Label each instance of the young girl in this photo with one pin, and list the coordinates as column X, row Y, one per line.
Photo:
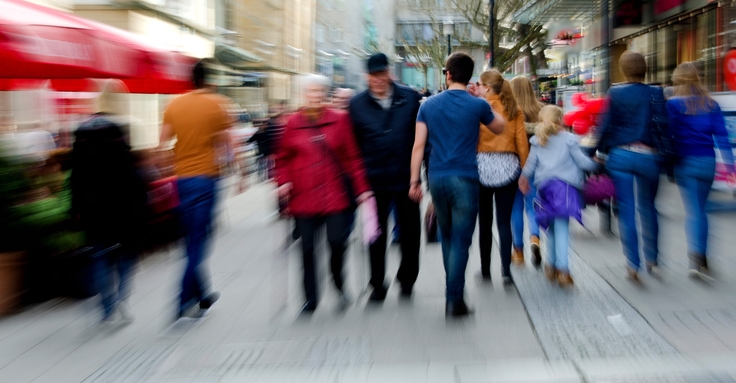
column 556, row 164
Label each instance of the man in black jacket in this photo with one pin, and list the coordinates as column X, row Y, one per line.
column 384, row 118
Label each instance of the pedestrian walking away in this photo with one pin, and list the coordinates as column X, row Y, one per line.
column 521, row 86
column 319, row 171
column 109, row 198
column 384, row 119
column 556, row 164
column 697, row 124
column 625, row 133
column 450, row 121
column 199, row 120
column 500, row 160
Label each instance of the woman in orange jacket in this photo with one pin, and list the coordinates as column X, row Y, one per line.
column 500, row 160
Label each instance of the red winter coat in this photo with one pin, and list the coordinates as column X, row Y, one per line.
column 307, row 157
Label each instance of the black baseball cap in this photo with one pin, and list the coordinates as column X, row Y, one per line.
column 377, row 63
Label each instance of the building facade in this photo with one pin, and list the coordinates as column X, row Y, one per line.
column 422, row 28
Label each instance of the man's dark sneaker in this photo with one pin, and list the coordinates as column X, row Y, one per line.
column 209, row 300
column 308, row 308
column 457, row 309
column 406, row 292
column 507, row 280
column 378, row 295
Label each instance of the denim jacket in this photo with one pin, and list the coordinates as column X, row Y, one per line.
column 626, row 119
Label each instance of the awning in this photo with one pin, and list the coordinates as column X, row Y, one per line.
column 42, row 43
column 234, row 56
column 542, row 11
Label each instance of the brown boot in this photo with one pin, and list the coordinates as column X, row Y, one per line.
column 536, row 251
column 517, row 256
column 550, row 272
column 564, row 279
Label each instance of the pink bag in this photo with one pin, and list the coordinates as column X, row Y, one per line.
column 598, row 188
column 371, row 228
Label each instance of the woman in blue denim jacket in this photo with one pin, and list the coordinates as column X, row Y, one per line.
column 625, row 134
column 696, row 122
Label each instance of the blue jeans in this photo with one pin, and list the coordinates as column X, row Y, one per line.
column 456, row 204
column 109, row 261
column 627, row 169
column 524, row 203
column 558, row 235
column 694, row 176
column 197, row 196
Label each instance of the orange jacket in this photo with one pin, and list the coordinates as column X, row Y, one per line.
column 513, row 139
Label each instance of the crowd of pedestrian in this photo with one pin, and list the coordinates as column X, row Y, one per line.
column 491, row 151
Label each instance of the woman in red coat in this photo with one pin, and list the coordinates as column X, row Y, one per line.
column 319, row 170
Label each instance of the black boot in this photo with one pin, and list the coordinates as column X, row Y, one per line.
column 457, row 309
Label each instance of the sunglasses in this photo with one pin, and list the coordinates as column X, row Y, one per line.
column 444, row 71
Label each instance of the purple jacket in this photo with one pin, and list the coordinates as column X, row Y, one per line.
column 556, row 199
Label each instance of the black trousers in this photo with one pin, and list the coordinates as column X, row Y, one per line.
column 409, row 221
column 338, row 231
column 504, row 196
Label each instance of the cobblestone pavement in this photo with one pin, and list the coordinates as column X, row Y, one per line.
column 669, row 329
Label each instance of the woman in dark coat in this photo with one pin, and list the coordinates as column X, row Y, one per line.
column 109, row 199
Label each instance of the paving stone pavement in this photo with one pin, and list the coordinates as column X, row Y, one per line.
column 670, row 330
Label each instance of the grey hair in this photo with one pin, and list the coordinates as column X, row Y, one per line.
column 316, row 79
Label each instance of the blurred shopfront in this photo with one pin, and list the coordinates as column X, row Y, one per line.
column 668, row 33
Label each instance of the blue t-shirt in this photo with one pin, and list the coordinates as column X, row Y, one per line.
column 453, row 120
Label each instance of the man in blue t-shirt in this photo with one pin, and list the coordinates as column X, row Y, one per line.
column 451, row 120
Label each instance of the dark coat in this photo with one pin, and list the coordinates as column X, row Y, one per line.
column 108, row 194
column 308, row 156
column 386, row 137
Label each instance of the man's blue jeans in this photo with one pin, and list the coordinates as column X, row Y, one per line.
column 629, row 169
column 456, row 204
column 197, row 201
column 694, row 176
column 524, row 203
column 558, row 239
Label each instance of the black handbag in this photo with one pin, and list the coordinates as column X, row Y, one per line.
column 662, row 136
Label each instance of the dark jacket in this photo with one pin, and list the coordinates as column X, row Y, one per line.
column 627, row 116
column 108, row 193
column 315, row 158
column 386, row 137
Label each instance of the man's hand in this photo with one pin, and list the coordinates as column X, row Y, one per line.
column 473, row 90
column 364, row 197
column 415, row 192
column 524, row 184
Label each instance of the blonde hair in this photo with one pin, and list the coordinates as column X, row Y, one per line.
column 502, row 88
column 550, row 120
column 633, row 66
column 687, row 84
column 112, row 98
column 522, row 89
